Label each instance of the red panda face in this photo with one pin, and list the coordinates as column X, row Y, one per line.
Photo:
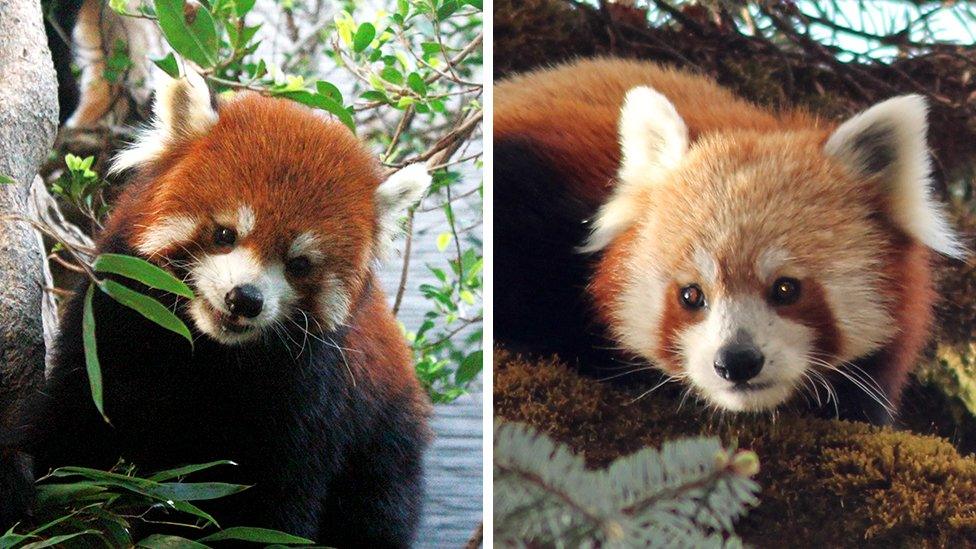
column 752, row 264
column 270, row 213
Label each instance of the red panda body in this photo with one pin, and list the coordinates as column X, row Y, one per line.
column 725, row 244
column 299, row 373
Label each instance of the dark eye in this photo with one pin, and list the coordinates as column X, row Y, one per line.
column 785, row 291
column 224, row 236
column 692, row 297
column 298, row 266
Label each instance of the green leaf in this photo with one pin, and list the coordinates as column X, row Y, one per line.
column 91, row 352
column 364, row 36
column 242, row 7
column 256, row 535
column 443, row 240
column 142, row 271
column 7, row 180
column 168, row 64
column 159, row 541
column 373, row 95
column 392, row 75
column 51, row 495
column 247, row 34
column 192, row 33
column 417, row 84
column 430, row 48
column 329, row 90
column 147, row 307
column 469, row 368
column 191, row 509
column 186, row 470
column 322, row 102
column 446, row 9
column 56, row 540
column 195, row 491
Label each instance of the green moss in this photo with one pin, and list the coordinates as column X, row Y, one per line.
column 954, row 372
column 827, row 483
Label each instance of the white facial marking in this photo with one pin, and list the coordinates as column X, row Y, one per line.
column 769, row 261
column 165, row 233
column 246, row 220
column 217, row 274
column 334, row 303
column 859, row 309
column 306, row 244
column 783, row 342
column 706, row 265
column 241, row 220
column 641, row 303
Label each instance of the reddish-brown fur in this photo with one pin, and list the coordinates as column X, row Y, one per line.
column 570, row 117
column 675, row 319
column 326, row 185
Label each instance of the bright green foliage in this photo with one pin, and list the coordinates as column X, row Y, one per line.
column 687, row 494
column 143, row 271
column 408, row 80
column 106, row 505
column 81, row 187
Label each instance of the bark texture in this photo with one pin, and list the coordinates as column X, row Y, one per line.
column 28, row 123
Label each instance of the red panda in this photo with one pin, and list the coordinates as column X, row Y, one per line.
column 85, row 33
column 752, row 255
column 299, row 373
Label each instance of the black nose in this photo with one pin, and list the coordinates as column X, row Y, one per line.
column 245, row 300
column 739, row 362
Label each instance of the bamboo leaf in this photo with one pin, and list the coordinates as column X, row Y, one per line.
column 142, row 271
column 147, row 307
column 195, row 491
column 159, row 541
column 57, row 540
column 92, row 365
column 256, row 535
column 183, row 471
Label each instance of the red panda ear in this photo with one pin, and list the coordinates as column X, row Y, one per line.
column 182, row 110
column 653, row 140
column 887, row 143
column 400, row 191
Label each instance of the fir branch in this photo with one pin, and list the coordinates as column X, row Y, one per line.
column 688, row 493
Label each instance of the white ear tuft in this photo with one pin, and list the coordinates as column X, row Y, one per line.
column 653, row 140
column 182, row 110
column 887, row 141
column 653, row 137
column 400, row 191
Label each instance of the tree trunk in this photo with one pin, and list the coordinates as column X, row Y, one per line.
column 28, row 122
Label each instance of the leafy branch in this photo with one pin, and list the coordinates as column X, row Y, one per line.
column 407, row 80
column 689, row 493
column 105, row 505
